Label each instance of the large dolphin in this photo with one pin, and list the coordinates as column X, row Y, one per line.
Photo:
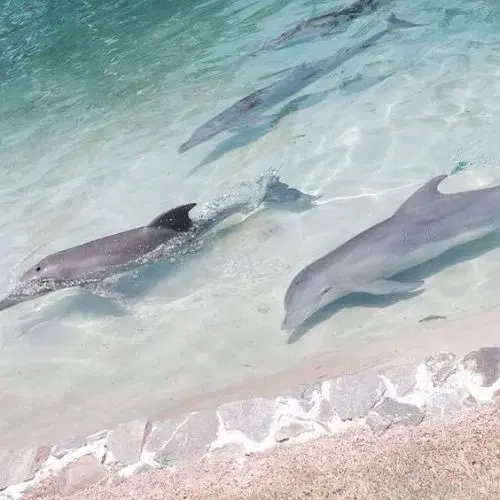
column 248, row 109
column 428, row 224
column 320, row 25
column 170, row 232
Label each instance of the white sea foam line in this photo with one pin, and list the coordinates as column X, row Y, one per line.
column 364, row 195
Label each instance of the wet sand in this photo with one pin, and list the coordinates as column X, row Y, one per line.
column 459, row 335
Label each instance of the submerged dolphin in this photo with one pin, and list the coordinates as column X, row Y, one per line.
column 428, row 224
column 297, row 78
column 320, row 25
column 95, row 260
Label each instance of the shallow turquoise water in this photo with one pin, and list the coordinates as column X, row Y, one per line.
column 96, row 98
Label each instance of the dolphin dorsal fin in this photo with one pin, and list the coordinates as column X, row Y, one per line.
column 176, row 219
column 428, row 192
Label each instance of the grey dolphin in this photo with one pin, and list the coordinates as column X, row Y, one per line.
column 320, row 25
column 247, row 110
column 170, row 232
column 425, row 226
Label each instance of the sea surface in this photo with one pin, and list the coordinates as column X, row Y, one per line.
column 95, row 99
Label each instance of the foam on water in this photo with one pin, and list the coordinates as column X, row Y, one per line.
column 95, row 99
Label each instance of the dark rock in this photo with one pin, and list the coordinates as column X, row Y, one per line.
column 440, row 367
column 142, row 468
column 304, row 394
column 230, row 450
column 324, row 413
column 126, row 441
column 84, row 472
column 17, row 466
column 97, row 436
column 253, row 417
column 163, row 431
column 445, row 402
column 402, row 377
column 391, row 412
column 68, row 445
column 191, row 440
column 291, row 430
column 485, row 362
column 354, row 396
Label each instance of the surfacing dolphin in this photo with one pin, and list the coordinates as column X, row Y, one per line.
column 248, row 109
column 165, row 236
column 320, row 25
column 428, row 224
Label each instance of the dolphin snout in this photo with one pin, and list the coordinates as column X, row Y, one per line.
column 185, row 146
column 284, row 325
column 291, row 321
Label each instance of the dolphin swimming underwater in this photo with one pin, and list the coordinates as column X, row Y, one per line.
column 320, row 25
column 170, row 232
column 297, row 78
column 425, row 226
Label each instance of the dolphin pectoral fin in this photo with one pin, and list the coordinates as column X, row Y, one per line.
column 388, row 287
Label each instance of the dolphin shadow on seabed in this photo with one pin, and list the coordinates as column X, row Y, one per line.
column 245, row 136
column 457, row 255
column 86, row 303
column 252, row 106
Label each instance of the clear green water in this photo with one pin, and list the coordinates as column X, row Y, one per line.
column 96, row 98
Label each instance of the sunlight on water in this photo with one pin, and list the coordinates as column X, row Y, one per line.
column 96, row 99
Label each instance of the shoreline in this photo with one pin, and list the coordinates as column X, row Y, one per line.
column 351, row 354
column 373, row 352
column 327, row 396
column 454, row 460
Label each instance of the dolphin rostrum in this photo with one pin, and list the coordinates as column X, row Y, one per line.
column 91, row 262
column 425, row 226
column 247, row 110
column 320, row 25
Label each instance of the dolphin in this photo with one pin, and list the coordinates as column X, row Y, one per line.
column 247, row 110
column 320, row 25
column 425, row 226
column 170, row 232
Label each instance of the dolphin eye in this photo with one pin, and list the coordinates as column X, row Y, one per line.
column 38, row 269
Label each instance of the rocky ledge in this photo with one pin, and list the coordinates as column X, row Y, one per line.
column 398, row 396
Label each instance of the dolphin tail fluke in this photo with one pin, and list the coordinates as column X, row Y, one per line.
column 277, row 192
column 398, row 24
